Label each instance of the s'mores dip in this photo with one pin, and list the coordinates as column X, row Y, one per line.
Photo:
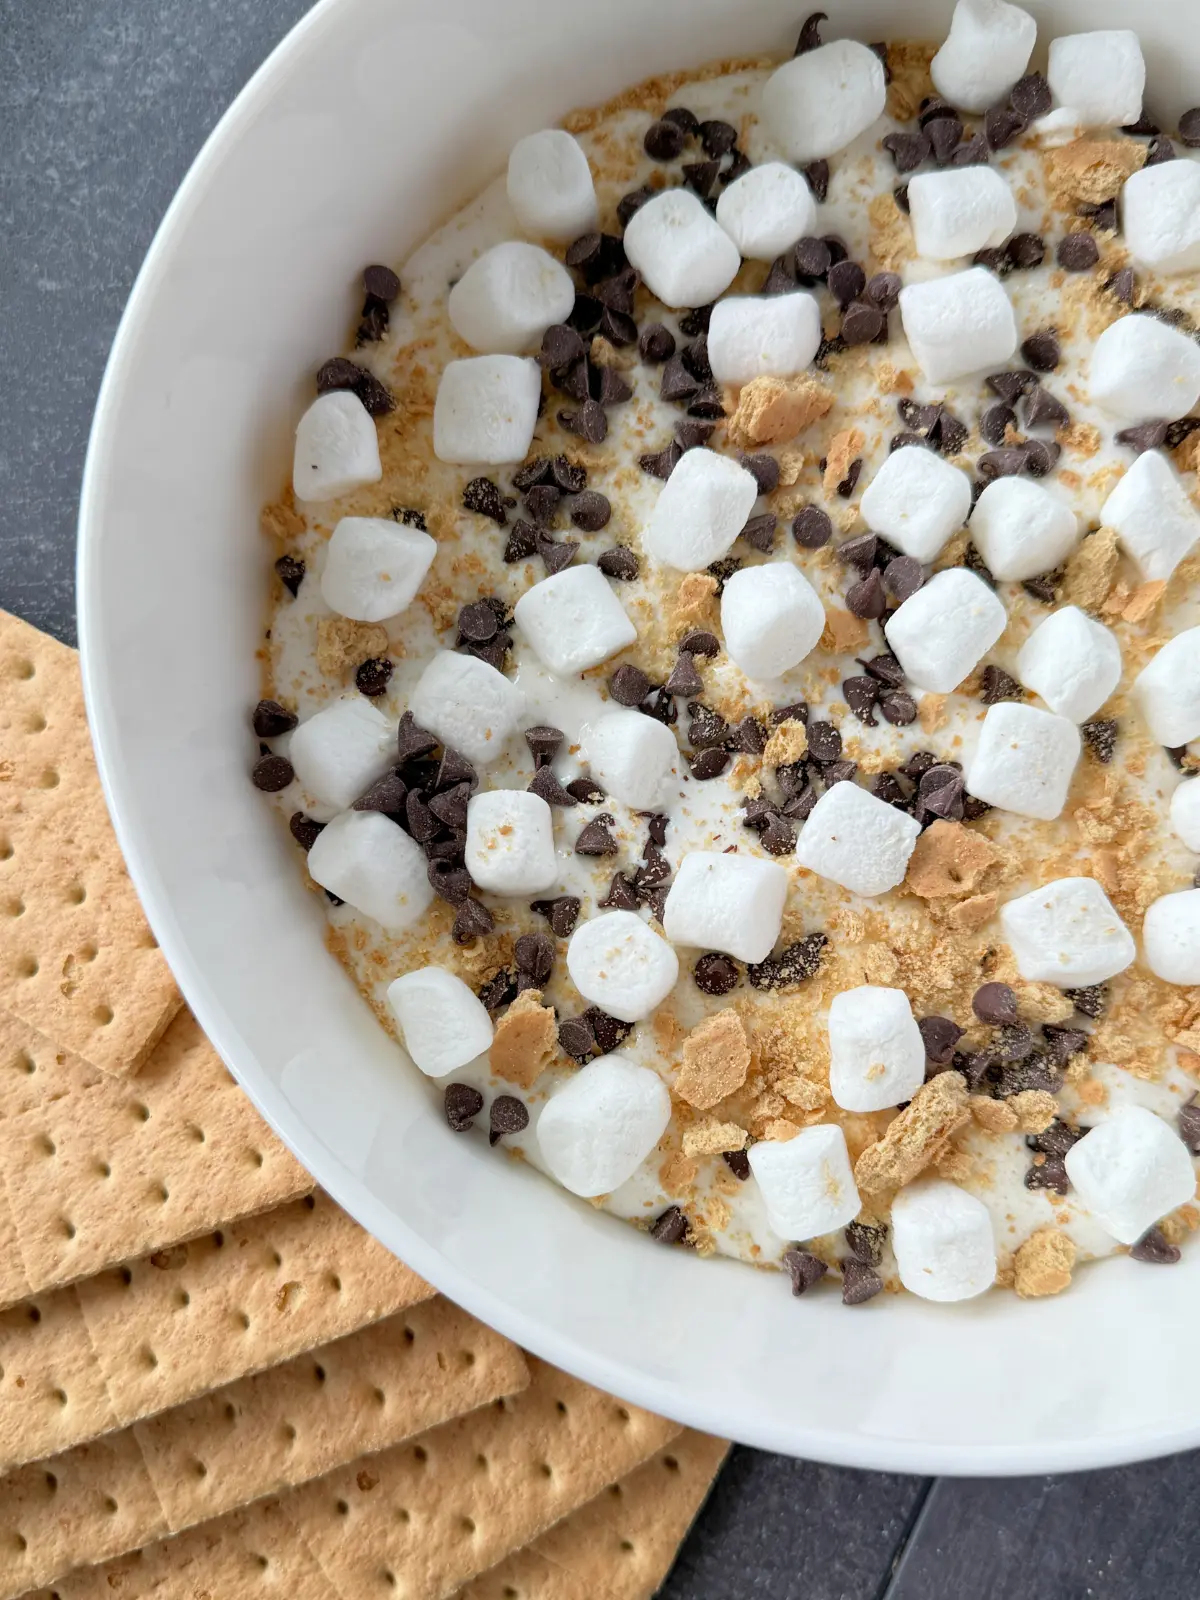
column 735, row 656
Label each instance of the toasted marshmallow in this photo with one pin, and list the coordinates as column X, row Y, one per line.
column 1067, row 933
column 373, row 865
column 818, row 102
column 620, row 964
column 469, row 705
column 1171, row 937
column 632, row 757
column 1160, row 217
column 1130, row 1170
column 1167, row 690
column 505, row 300
column 550, row 186
column 339, row 752
column 752, row 336
column 1100, row 75
column 1142, row 369
column 916, row 501
column 1021, row 529
column 771, row 617
column 700, row 511
column 684, row 255
column 766, row 210
column 943, row 632
column 374, row 567
column 958, row 324
column 486, row 410
column 443, row 1025
column 598, row 1127
column 807, row 1183
column 1072, row 662
column 573, row 620
column 337, row 448
column 943, row 1242
column 958, row 211
column 986, row 51
column 1024, row 761
column 857, row 840
column 1153, row 516
column 732, row 903
column 877, row 1055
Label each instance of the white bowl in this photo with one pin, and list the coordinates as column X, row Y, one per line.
column 372, row 122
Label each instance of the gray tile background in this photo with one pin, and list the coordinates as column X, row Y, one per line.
column 103, row 104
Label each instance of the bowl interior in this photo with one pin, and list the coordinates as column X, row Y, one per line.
column 368, row 126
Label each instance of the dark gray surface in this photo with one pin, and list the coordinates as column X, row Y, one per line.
column 103, row 104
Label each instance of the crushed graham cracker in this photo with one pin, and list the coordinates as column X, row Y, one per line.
column 525, row 1041
column 916, row 1136
column 932, row 712
column 844, row 449
column 1081, row 439
column 891, row 239
column 791, row 465
column 1042, row 1002
column 281, row 520
column 677, row 1174
column 1042, row 1265
column 893, row 380
column 714, row 1138
column 1091, row 169
column 714, row 1060
column 343, row 643
column 770, row 410
column 1091, row 570
column 1143, row 601
column 693, row 603
column 954, row 1165
column 843, row 631
column 1034, row 1109
column 967, row 916
column 993, row 1116
column 780, row 1130
column 606, row 354
column 788, row 743
column 949, row 859
column 908, row 63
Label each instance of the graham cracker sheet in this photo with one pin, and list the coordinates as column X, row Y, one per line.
column 78, row 962
column 117, row 1170
column 621, row 1544
column 52, row 1390
column 431, row 1515
column 33, row 1071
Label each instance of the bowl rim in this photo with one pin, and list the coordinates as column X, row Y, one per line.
column 704, row 1411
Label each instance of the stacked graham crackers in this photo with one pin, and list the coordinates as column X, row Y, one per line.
column 212, row 1381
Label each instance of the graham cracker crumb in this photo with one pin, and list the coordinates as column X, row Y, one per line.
column 525, row 1041
column 954, row 1165
column 1143, row 600
column 1080, row 439
column 281, row 520
column 714, row 1061
column 892, row 381
column 994, row 1116
column 693, row 604
column 891, row 239
column 1187, row 454
column 1091, row 169
column 844, row 448
column 788, row 743
column 606, row 354
column 908, row 61
column 916, row 1136
column 949, row 859
column 803, row 1093
column 932, row 713
column 1042, row 1265
column 714, row 1138
column 677, row 1174
column 1042, row 1002
column 1034, row 1109
column 1091, row 570
column 770, row 410
column 844, row 632
column 343, row 644
column 969, row 915
column 791, row 465
column 780, row 1131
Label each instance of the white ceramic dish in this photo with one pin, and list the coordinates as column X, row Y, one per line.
column 372, row 122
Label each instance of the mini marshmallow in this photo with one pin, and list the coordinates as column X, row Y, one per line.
column 550, row 186
column 1153, row 516
column 943, row 1242
column 620, row 964
column 1185, row 813
column 337, row 448
column 766, row 210
column 631, row 756
column 876, row 1053
column 510, row 842
column 1067, row 933
column 600, row 1125
column 807, row 1183
column 685, row 257
column 751, row 336
column 1130, row 1170
column 1100, row 75
column 1167, row 690
column 723, row 902
column 942, row 632
column 486, row 410
column 700, row 511
column 959, row 211
column 771, row 617
column 1072, row 662
column 374, row 567
column 1021, row 529
column 958, row 324
column 1171, row 937
column 369, row 862
column 505, row 301
column 469, row 705
column 986, row 51
column 818, row 102
column 573, row 620
column 442, row 1023
column 1024, row 761
column 340, row 752
column 1143, row 369
column 1160, row 217
column 857, row 840
column 916, row 501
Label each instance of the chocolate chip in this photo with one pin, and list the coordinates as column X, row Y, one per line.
column 940, row 1036
column 850, row 482
column 994, row 1003
column 886, row 669
column 846, row 280
column 1103, row 216
column 1005, row 463
column 709, row 764
column 304, row 830
column 907, row 150
column 861, row 694
column 764, row 469
column 595, row 839
column 861, row 324
column 902, row 577
column 687, row 120
column 629, row 685
column 589, row 422
column 462, row 1105
column 940, row 794
column 1161, row 149
column 670, row 1228
column 472, row 921
column 576, row 1038
column 664, row 140
column 534, row 955
column 781, row 279
column 506, row 1115
column 1064, row 1042
column 521, row 542
column 610, row 1033
column 1189, row 128
column 860, row 1282
column 972, row 152
column 269, row 719
column 609, row 387
column 717, row 138
column 1049, row 1174
column 1024, row 251
column 449, row 882
column 900, row 195
column 1078, row 252
column 816, row 174
column 824, row 741
column 945, row 135
column 932, row 108
column 388, row 794
column 342, row 374
column 866, row 598
column 621, row 896
column 1045, row 586
column 995, row 685
column 749, row 736
column 1180, row 430
column 1143, row 436
column 1123, row 285
column 548, row 788
column 885, row 787
column 1155, row 1248
column 810, row 34
column 803, row 1268
column 1001, row 126
column 796, row 964
column 656, row 343
column 738, row 1163
column 499, row 990
column 677, row 383
column 759, row 532
column 994, row 421
column 812, row 528
column 544, row 743
column 684, row 679
column 1100, row 737
column 1044, row 410
column 271, row 774
column 699, row 176
column 898, row 707
column 372, row 676
column 812, row 257
column 1042, row 352
column 532, row 472
column 778, row 838
column 859, row 552
column 1189, row 1124
column 630, row 204
column 619, row 562
column 291, row 573
column 1030, row 96
column 590, row 511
